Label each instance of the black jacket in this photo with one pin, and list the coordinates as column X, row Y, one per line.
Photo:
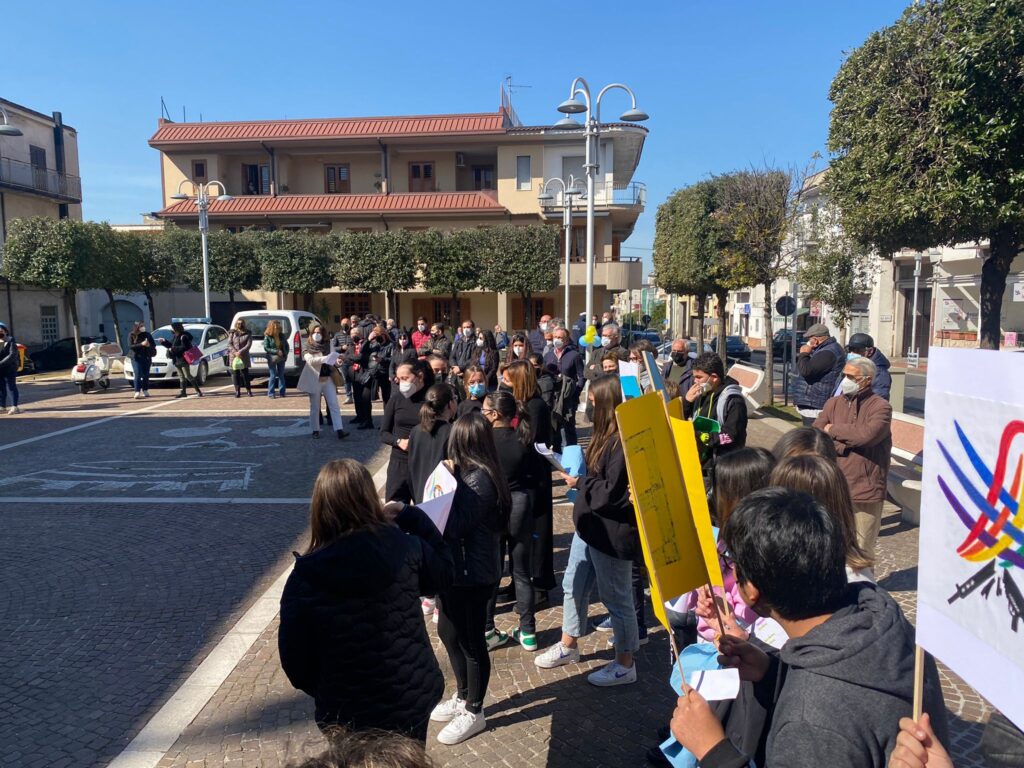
column 352, row 633
column 603, row 513
column 537, row 342
column 514, row 458
column 9, row 357
column 467, row 405
column 474, row 530
column 570, row 365
column 464, row 351
column 426, row 451
column 139, row 352
column 400, row 356
column 180, row 344
column 734, row 424
column 840, row 690
column 821, row 369
column 401, row 415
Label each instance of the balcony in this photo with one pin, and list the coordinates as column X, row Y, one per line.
column 606, row 194
column 23, row 177
column 613, row 275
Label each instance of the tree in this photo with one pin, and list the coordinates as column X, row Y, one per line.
column 451, row 264
column 928, row 141
column 294, row 261
column 51, row 253
column 758, row 213
column 834, row 268
column 382, row 262
column 151, row 269
column 688, row 256
column 233, row 265
column 110, row 269
column 521, row 260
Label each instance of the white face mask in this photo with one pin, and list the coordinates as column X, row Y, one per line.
column 544, row 327
column 479, row 342
column 518, row 351
column 318, row 337
column 142, row 329
column 849, row 387
column 408, row 388
column 467, row 332
column 558, row 343
column 421, row 327
column 606, row 342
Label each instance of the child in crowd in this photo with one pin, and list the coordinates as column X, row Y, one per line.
column 805, row 440
column 475, row 384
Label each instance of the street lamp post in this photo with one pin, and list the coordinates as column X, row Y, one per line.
column 592, row 108
column 202, row 200
column 569, row 190
column 913, row 352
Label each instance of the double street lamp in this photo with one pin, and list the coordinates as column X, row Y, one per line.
column 592, row 109
column 201, row 197
column 570, row 189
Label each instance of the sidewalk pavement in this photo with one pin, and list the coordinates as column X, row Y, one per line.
column 536, row 717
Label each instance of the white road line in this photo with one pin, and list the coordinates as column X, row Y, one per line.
column 147, row 500
column 97, row 422
column 166, row 726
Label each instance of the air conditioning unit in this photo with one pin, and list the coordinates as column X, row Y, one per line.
column 460, row 160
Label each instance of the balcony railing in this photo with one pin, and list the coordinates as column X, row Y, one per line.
column 606, row 194
column 16, row 174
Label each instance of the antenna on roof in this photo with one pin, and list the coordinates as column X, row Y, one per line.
column 164, row 112
column 507, row 88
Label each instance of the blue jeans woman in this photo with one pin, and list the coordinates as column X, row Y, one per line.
column 275, row 371
column 140, row 374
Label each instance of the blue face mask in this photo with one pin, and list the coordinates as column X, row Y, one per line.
column 852, row 355
column 477, row 390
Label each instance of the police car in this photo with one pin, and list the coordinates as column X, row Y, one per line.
column 211, row 339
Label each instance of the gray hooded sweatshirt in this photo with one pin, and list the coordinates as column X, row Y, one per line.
column 841, row 689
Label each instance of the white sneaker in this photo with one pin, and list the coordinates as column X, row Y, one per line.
column 428, row 604
column 465, row 725
column 446, row 711
column 138, row 396
column 612, row 674
column 557, row 656
column 13, row 410
column 495, row 639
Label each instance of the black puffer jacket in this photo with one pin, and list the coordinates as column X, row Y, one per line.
column 352, row 633
column 180, row 344
column 474, row 530
column 603, row 513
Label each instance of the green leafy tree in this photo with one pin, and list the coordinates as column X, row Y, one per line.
column 294, row 261
column 110, row 268
column 928, row 139
column 834, row 268
column 233, row 265
column 377, row 262
column 152, row 271
column 53, row 254
column 451, row 264
column 521, row 260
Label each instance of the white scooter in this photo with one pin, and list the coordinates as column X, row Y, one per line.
column 93, row 368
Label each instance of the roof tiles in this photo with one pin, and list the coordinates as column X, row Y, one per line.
column 403, row 203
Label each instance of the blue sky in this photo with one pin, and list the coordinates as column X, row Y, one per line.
column 727, row 84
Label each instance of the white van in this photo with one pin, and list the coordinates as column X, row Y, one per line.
column 295, row 325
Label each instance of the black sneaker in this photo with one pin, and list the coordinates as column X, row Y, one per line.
column 366, row 425
column 180, row 395
column 342, row 434
column 316, row 435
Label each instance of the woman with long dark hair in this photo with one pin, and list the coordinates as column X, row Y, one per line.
column 517, row 349
column 523, row 379
column 358, row 580
column 603, row 548
column 487, row 357
column 181, row 343
column 428, row 441
column 401, row 415
column 315, row 380
column 515, row 454
column 479, row 513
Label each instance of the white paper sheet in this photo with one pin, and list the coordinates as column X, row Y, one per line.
column 547, row 453
column 438, row 495
column 716, row 684
column 331, row 359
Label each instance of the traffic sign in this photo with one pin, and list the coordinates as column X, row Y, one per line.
column 785, row 306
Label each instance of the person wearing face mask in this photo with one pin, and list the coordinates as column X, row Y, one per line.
column 239, row 344
column 611, row 340
column 10, row 360
column 428, row 440
column 401, row 415
column 862, row 345
column 716, row 397
column 517, row 350
column 342, row 343
column 143, row 347
column 820, row 364
column 315, row 380
column 404, row 352
column 475, row 384
column 537, row 340
column 565, row 363
column 500, row 338
column 860, row 425
column 464, row 349
column 421, row 334
column 440, row 344
column 679, row 368
column 485, row 355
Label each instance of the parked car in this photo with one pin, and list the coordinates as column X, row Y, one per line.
column 735, row 348
column 632, row 337
column 782, row 343
column 61, row 353
column 211, row 339
column 295, row 324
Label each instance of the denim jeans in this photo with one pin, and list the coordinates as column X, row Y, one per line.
column 613, row 577
column 140, row 373
column 10, row 382
column 275, row 372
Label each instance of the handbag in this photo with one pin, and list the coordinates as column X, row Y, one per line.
column 193, row 355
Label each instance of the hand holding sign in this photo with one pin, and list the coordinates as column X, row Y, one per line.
column 694, row 725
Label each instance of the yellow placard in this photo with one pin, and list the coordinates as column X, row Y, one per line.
column 669, row 500
column 675, row 407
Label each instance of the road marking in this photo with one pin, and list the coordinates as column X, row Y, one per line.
column 165, row 727
column 149, row 501
column 97, row 422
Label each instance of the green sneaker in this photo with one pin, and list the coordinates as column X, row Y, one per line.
column 495, row 639
column 526, row 639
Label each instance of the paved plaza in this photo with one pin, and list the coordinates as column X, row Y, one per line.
column 139, row 533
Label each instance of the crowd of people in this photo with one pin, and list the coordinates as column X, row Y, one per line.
column 826, row 656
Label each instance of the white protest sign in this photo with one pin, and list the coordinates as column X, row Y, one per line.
column 970, row 610
column 438, row 494
column 716, row 684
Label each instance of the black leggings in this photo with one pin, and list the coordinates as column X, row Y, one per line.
column 361, row 397
column 240, row 378
column 461, row 629
column 519, row 545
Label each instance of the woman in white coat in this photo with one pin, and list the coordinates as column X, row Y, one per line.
column 316, row 381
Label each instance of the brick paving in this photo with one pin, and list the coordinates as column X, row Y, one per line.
column 536, row 717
